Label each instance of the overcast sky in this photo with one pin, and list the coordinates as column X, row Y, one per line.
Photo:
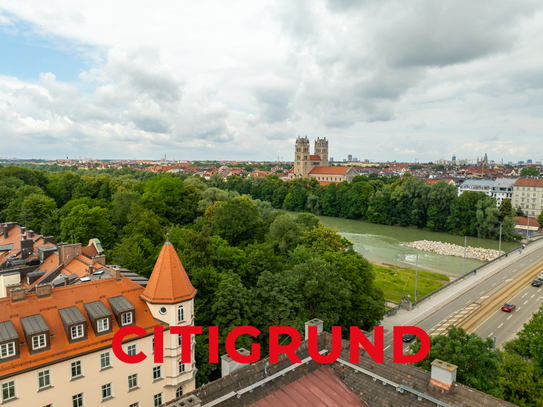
column 382, row 80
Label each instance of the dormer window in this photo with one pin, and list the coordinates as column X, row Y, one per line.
column 99, row 316
column 7, row 350
column 9, row 342
column 124, row 312
column 126, row 318
column 103, row 325
column 39, row 342
column 36, row 333
column 74, row 323
column 77, row 332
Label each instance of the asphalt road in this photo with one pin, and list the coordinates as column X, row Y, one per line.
column 460, row 302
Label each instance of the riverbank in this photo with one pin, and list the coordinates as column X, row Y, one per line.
column 395, row 282
column 448, row 249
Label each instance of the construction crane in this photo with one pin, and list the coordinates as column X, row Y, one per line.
column 483, row 170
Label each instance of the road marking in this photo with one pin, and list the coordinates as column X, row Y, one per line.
column 539, row 298
column 483, row 297
column 518, row 309
column 468, row 302
column 525, row 294
column 490, row 335
column 387, row 347
column 539, row 290
column 493, row 284
column 525, row 302
column 509, row 316
column 509, row 279
column 500, row 325
column 482, row 292
column 532, row 296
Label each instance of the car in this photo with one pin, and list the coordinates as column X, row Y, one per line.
column 537, row 282
column 508, row 307
column 408, row 337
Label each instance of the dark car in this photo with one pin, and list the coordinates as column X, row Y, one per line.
column 508, row 307
column 537, row 282
column 408, row 337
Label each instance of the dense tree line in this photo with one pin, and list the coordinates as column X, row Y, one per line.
column 251, row 264
column 405, row 201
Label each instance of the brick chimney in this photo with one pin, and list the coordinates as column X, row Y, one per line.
column 27, row 247
column 43, row 290
column 117, row 274
column 228, row 365
column 68, row 252
column 30, row 234
column 314, row 322
column 7, row 227
column 100, row 259
column 48, row 239
column 17, row 294
column 443, row 374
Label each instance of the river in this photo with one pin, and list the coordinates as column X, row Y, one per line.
column 385, row 244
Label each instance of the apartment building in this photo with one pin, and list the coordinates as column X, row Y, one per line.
column 56, row 342
column 502, row 188
column 528, row 195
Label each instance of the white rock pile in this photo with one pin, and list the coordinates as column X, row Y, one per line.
column 449, row 249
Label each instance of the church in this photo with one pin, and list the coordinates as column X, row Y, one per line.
column 307, row 165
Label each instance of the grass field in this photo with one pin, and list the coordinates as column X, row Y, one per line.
column 392, row 280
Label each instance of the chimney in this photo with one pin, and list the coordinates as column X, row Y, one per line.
column 443, row 374
column 43, row 290
column 228, row 365
column 117, row 274
column 100, row 259
column 23, row 230
column 190, row 401
column 30, row 234
column 314, row 322
column 17, row 294
column 68, row 252
column 27, row 248
column 48, row 239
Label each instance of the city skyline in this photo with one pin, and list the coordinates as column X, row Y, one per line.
column 240, row 80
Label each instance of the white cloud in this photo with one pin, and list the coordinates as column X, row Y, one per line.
column 241, row 79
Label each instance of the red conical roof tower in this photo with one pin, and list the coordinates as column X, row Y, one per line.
column 169, row 283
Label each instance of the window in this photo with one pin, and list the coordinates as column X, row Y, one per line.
column 77, row 400
column 106, row 391
column 44, row 380
column 76, row 369
column 181, row 367
column 38, row 342
column 157, row 399
column 179, row 340
column 153, row 343
column 126, row 318
column 131, row 350
column 103, row 325
column 136, row 404
column 104, row 360
column 7, row 350
column 179, row 392
column 77, row 331
column 8, row 390
column 157, row 372
column 180, row 313
column 163, row 310
column 132, row 381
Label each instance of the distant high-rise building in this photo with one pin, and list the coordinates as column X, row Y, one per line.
column 349, row 157
column 454, row 157
column 529, row 161
column 331, row 158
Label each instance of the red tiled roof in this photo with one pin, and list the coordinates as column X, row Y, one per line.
column 169, row 282
column 64, row 297
column 322, row 388
column 89, row 251
column 324, row 183
column 314, row 157
column 321, row 169
column 529, row 182
column 522, row 220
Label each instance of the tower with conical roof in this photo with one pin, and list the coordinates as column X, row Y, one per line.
column 169, row 295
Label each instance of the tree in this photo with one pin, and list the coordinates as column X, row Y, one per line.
column 519, row 212
column 487, row 216
column 529, row 172
column 238, row 221
column 478, row 363
column 289, row 204
column 322, row 239
column 284, row 234
column 521, row 382
column 307, row 220
column 506, row 209
column 86, row 223
column 30, row 210
column 463, row 218
column 530, row 339
column 540, row 218
column 440, row 198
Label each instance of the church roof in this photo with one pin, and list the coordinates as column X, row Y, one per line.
column 314, row 157
column 169, row 282
column 321, row 169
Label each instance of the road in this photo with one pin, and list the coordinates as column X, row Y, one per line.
column 458, row 304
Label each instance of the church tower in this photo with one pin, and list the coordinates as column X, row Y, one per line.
column 301, row 158
column 169, row 294
column 321, row 149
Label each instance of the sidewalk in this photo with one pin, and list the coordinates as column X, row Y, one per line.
column 433, row 304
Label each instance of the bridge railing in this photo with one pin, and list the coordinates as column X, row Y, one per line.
column 473, row 271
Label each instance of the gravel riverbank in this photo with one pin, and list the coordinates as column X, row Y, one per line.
column 449, row 249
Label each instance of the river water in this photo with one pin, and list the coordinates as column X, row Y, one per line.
column 385, row 244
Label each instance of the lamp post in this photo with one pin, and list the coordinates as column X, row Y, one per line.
column 465, row 246
column 416, row 277
column 500, row 246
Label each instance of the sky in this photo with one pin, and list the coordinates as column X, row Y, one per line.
column 382, row 80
